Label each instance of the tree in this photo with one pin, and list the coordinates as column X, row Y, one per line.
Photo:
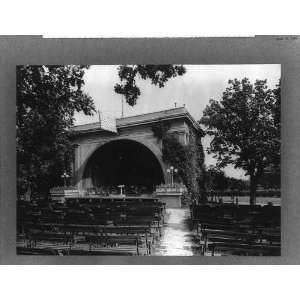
column 47, row 98
column 216, row 179
column 235, row 184
column 271, row 179
column 245, row 126
column 274, row 169
column 158, row 74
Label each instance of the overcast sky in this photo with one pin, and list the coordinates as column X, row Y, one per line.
column 194, row 89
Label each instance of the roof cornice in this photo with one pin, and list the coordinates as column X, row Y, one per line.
column 142, row 119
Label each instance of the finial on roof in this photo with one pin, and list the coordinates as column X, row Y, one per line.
column 175, row 104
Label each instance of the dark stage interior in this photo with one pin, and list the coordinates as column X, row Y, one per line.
column 124, row 162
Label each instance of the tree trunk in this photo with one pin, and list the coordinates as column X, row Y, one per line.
column 253, row 187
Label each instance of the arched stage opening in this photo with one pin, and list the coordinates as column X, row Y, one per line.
column 123, row 162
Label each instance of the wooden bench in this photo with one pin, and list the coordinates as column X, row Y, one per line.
column 246, row 248
column 83, row 225
column 36, row 251
column 103, row 251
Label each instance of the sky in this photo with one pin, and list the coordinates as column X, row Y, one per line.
column 194, row 89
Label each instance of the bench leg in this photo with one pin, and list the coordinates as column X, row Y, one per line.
column 137, row 247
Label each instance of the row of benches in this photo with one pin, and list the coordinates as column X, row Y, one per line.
column 89, row 227
column 228, row 229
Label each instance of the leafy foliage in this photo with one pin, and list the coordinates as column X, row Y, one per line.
column 160, row 129
column 157, row 74
column 245, row 126
column 235, row 184
column 47, row 98
column 188, row 159
column 271, row 179
column 217, row 181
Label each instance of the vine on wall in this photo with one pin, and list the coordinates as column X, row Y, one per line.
column 160, row 129
column 188, row 159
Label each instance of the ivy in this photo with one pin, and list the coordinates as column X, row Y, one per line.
column 188, row 159
column 160, row 129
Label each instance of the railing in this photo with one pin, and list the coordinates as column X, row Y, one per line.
column 176, row 187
